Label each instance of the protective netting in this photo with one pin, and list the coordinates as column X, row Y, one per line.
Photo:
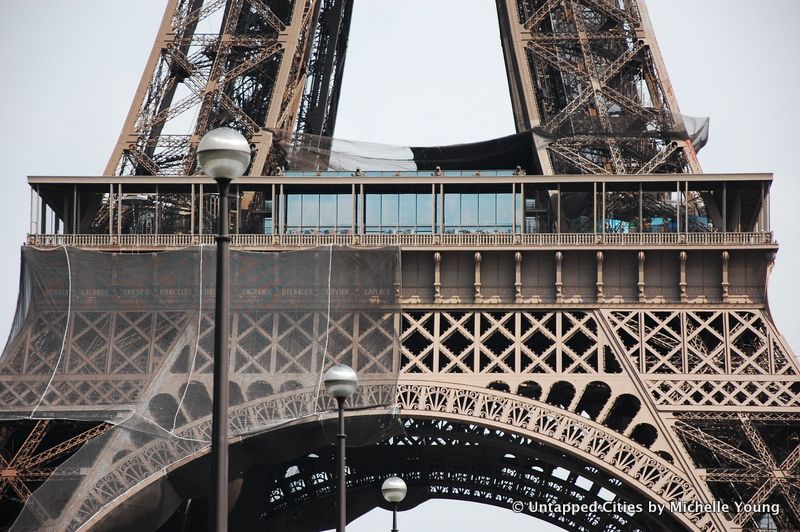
column 128, row 339
column 307, row 152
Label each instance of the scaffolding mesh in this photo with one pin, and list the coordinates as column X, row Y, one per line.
column 306, row 152
column 128, row 339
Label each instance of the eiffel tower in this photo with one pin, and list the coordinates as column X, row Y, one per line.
column 583, row 314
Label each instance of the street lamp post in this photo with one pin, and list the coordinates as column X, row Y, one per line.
column 394, row 491
column 224, row 154
column 341, row 383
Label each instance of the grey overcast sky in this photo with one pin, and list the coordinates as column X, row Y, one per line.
column 418, row 72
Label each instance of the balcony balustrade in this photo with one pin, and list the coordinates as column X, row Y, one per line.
column 406, row 240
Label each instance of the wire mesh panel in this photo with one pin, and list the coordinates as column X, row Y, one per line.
column 576, row 206
column 661, row 208
column 744, row 206
column 705, row 207
column 128, row 339
column 622, row 212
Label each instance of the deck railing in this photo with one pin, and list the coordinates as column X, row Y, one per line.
column 411, row 240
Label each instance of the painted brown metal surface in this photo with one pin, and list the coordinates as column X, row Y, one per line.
column 646, row 362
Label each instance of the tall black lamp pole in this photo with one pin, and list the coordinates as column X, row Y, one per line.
column 224, row 154
column 341, row 383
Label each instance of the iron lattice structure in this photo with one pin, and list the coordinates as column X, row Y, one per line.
column 559, row 363
column 585, row 75
column 273, row 64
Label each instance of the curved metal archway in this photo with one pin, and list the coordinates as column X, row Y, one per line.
column 558, row 456
column 441, row 459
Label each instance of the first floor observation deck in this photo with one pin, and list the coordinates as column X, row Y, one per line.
column 501, row 209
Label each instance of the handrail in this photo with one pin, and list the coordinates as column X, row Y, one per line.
column 480, row 240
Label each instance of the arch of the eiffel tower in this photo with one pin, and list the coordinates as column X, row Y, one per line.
column 574, row 317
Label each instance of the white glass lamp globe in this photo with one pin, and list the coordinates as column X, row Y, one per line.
column 340, row 381
column 394, row 489
column 223, row 152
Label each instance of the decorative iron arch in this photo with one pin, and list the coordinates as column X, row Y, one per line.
column 441, row 459
column 520, row 426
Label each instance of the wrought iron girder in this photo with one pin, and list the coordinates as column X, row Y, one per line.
column 19, row 487
column 627, row 104
column 169, row 141
column 178, row 57
column 233, row 12
column 732, row 453
column 784, row 525
column 31, row 503
column 292, row 97
column 789, row 490
column 558, row 63
column 738, row 476
column 24, row 471
column 571, row 37
column 251, row 63
column 563, row 115
column 577, row 159
column 660, row 158
column 541, row 13
column 758, row 442
column 230, row 41
column 161, row 87
column 180, row 25
column 318, row 105
column 579, row 141
column 599, row 98
column 792, row 459
column 64, row 447
column 758, row 498
column 569, row 48
column 231, row 106
column 771, row 480
column 267, row 14
column 170, row 112
column 619, row 63
column 31, row 443
column 142, row 159
column 610, row 10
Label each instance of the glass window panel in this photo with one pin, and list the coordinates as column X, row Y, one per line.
column 389, row 205
column 487, row 210
column 469, row 212
column 327, row 211
column 452, row 212
column 310, row 210
column 505, row 211
column 408, row 212
column 373, row 213
column 293, row 211
column 424, row 216
column 344, row 211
